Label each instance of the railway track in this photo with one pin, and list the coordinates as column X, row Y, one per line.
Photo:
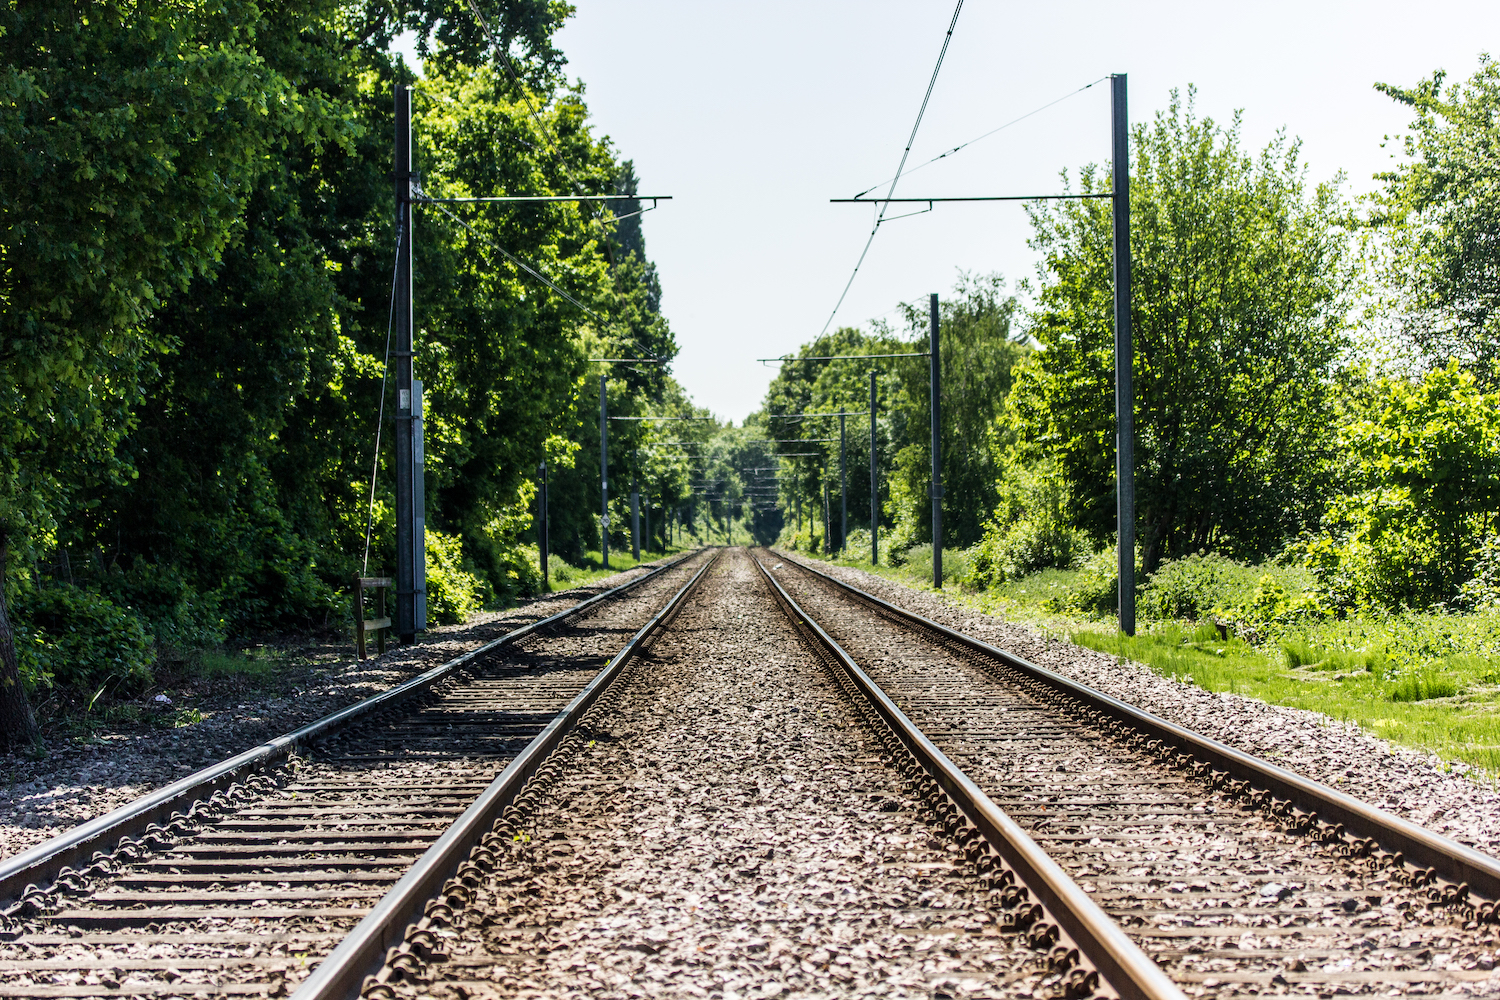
column 834, row 797
column 1233, row 875
column 238, row 880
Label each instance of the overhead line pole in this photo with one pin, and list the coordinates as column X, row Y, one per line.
column 411, row 535
column 1124, row 356
column 1124, row 349
column 874, row 483
column 936, row 488
column 843, row 489
column 604, row 468
column 542, row 539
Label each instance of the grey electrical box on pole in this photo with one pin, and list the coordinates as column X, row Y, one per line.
column 843, row 489
column 935, row 372
column 411, row 536
column 874, row 484
column 604, row 469
column 1124, row 356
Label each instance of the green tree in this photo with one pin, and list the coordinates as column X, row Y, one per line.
column 1421, row 498
column 1442, row 214
column 979, row 349
column 130, row 138
column 1240, row 291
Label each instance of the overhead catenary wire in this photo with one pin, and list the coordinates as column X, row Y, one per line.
column 932, row 83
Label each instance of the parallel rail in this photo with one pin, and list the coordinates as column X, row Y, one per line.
column 364, row 950
column 1127, row 969
column 45, row 862
column 1430, row 854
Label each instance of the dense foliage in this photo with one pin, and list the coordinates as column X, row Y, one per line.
column 197, row 251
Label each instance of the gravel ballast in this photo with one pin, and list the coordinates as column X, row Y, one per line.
column 729, row 832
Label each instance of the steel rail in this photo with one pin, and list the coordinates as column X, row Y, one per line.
column 362, row 952
column 1119, row 961
column 1415, row 844
column 42, row 863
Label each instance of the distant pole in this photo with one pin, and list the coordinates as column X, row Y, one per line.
column 604, row 470
column 843, row 488
column 1124, row 357
column 934, row 390
column 635, row 520
column 541, row 536
column 874, row 483
column 827, row 542
column 411, row 534
column 646, row 513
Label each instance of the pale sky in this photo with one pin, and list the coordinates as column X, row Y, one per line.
column 753, row 115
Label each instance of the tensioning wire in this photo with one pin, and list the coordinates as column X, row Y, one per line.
column 1013, row 121
column 508, row 256
column 942, row 53
column 390, row 322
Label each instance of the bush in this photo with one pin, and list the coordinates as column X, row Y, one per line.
column 1482, row 590
column 173, row 611
column 1095, row 590
column 79, row 640
column 955, row 562
column 1029, row 531
column 453, row 592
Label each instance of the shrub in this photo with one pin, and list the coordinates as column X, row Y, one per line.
column 453, row 592
column 173, row 611
column 1023, row 548
column 1094, row 591
column 79, row 640
column 955, row 562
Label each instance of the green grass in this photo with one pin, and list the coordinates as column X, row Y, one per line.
column 1448, row 705
column 565, row 576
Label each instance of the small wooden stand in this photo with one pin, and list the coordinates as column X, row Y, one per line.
column 362, row 625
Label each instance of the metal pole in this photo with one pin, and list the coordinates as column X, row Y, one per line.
column 635, row 521
column 411, row 555
column 827, row 543
column 843, row 489
column 542, row 526
column 604, row 469
column 646, row 511
column 1124, row 357
column 874, row 483
column 934, row 391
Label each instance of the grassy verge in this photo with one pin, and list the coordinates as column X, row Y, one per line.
column 1449, row 705
column 565, row 576
column 1429, row 681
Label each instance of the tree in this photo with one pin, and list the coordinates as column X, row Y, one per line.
column 1240, row 292
column 1442, row 214
column 979, row 350
column 1422, row 495
column 128, row 140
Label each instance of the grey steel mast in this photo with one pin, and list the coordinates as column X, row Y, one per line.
column 411, row 548
column 935, row 371
column 1124, row 356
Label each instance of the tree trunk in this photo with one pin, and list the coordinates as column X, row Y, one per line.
column 18, row 726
